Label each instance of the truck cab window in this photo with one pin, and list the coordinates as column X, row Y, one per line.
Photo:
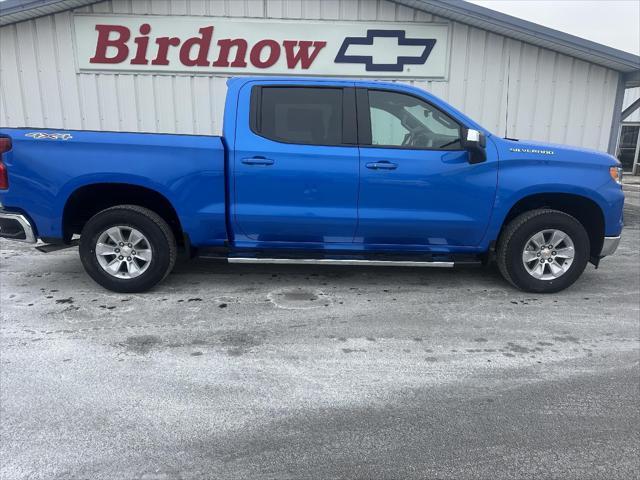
column 301, row 115
column 399, row 120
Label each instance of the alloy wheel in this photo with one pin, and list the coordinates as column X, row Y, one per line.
column 548, row 254
column 123, row 252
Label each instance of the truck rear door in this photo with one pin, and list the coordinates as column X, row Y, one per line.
column 295, row 164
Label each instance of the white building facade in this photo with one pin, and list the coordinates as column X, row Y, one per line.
column 90, row 67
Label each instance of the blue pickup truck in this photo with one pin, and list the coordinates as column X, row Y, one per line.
column 320, row 171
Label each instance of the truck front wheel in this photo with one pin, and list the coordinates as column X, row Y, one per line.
column 127, row 248
column 543, row 251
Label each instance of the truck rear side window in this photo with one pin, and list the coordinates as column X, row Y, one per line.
column 300, row 115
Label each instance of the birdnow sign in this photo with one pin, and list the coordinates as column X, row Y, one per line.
column 207, row 45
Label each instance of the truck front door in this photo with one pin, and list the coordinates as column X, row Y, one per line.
column 417, row 186
column 295, row 165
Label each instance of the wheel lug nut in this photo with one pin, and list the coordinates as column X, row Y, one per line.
column 553, row 253
column 121, row 244
column 117, row 250
column 120, row 257
column 128, row 259
column 129, row 245
column 538, row 253
column 541, row 260
column 133, row 252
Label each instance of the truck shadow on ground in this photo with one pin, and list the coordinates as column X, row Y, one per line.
column 324, row 274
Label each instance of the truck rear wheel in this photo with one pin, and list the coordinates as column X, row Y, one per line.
column 127, row 248
column 543, row 251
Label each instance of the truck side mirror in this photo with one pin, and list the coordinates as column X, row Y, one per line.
column 474, row 142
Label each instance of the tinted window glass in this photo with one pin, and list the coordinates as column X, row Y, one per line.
column 399, row 120
column 302, row 115
column 629, row 136
column 627, row 147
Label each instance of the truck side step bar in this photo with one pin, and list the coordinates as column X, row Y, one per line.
column 54, row 247
column 340, row 261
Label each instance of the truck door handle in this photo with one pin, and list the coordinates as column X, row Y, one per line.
column 383, row 165
column 257, row 161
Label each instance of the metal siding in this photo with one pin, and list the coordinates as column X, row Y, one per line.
column 164, row 100
column 29, row 76
column 367, row 10
column 525, row 86
column 107, row 7
column 542, row 115
column 201, row 105
column 456, row 88
column 183, row 98
column 91, row 114
column 561, row 103
column 474, row 72
column 127, row 102
column 594, row 106
column 10, row 83
column 146, row 110
column 68, row 81
column 552, row 96
column 121, row 6
column 4, row 116
column 578, row 102
column 49, row 84
column 513, row 73
column 140, row 7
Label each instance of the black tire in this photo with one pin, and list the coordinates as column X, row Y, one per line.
column 512, row 244
column 161, row 241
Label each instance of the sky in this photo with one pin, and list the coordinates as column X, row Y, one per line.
column 615, row 23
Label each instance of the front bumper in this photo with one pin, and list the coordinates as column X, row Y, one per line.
column 14, row 226
column 609, row 246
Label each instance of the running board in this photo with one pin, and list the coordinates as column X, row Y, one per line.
column 54, row 247
column 339, row 261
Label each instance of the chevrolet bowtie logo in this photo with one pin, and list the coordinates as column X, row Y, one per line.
column 352, row 50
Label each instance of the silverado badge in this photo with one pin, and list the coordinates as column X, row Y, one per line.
column 532, row 150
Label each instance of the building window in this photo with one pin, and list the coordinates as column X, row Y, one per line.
column 629, row 145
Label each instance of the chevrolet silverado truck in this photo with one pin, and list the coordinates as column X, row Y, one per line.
column 320, row 171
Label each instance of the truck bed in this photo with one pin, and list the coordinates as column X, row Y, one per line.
column 46, row 167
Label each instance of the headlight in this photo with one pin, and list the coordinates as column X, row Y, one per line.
column 616, row 174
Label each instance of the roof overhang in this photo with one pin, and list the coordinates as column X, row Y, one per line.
column 13, row 11
column 529, row 32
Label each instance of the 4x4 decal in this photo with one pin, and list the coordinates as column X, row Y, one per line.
column 48, row 136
